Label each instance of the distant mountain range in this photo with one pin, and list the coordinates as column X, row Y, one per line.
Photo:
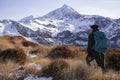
column 62, row 26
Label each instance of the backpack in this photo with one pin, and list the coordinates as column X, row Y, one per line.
column 100, row 45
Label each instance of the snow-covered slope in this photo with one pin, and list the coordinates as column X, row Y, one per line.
column 65, row 12
column 62, row 26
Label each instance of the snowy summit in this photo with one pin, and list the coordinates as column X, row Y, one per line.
column 62, row 26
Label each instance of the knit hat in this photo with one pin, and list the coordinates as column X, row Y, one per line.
column 94, row 26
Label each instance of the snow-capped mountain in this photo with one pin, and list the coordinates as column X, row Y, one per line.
column 62, row 26
column 65, row 12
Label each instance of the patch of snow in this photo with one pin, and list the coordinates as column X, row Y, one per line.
column 31, row 55
column 37, row 66
column 41, row 22
column 11, row 74
column 36, row 78
column 31, row 39
column 28, row 18
column 59, row 13
column 1, row 27
column 49, row 39
column 81, row 42
column 32, row 27
column 19, row 74
column 10, row 29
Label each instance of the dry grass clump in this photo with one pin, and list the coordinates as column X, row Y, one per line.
column 60, row 51
column 15, row 38
column 12, row 37
column 16, row 55
column 11, row 42
column 111, row 75
column 32, row 68
column 56, row 69
column 78, row 70
column 6, row 37
column 41, row 51
column 4, row 44
column 28, row 43
column 7, row 70
column 113, row 59
column 72, row 67
column 79, row 53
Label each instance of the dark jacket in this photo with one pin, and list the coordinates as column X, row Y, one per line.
column 91, row 41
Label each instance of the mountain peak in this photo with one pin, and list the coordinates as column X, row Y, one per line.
column 63, row 12
column 31, row 17
column 66, row 7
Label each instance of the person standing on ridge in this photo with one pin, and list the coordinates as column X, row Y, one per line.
column 97, row 46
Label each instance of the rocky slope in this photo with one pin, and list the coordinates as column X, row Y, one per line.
column 62, row 26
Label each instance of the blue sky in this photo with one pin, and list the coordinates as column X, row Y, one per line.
column 17, row 9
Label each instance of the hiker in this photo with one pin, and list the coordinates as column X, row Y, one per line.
column 94, row 53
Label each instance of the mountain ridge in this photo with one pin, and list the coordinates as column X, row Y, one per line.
column 62, row 26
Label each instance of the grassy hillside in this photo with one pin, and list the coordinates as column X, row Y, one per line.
column 20, row 58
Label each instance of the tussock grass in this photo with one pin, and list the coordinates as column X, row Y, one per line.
column 56, row 69
column 61, row 62
column 113, row 59
column 8, row 70
column 80, row 71
column 16, row 55
column 60, row 51
column 28, row 43
column 32, row 68
column 79, row 53
column 42, row 51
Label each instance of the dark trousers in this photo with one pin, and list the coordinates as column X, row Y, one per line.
column 98, row 57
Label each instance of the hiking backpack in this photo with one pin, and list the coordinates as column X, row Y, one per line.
column 100, row 45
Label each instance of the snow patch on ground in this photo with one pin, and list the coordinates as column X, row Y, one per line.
column 19, row 74
column 37, row 66
column 36, row 78
column 31, row 39
column 31, row 55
